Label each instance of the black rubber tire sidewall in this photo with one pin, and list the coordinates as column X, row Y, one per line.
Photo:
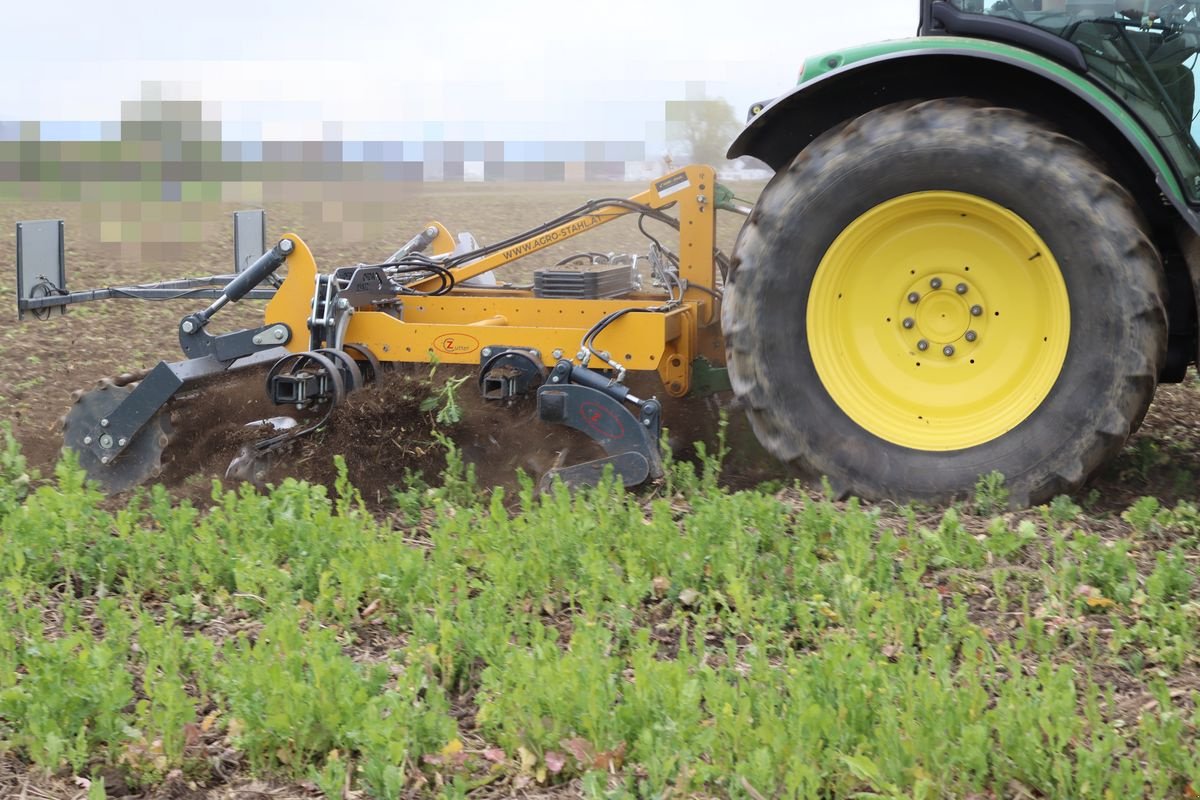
column 1112, row 274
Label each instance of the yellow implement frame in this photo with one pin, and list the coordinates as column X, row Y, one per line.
column 455, row 327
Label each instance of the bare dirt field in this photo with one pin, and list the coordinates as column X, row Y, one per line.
column 108, row 244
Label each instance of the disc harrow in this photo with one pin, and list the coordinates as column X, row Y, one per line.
column 141, row 461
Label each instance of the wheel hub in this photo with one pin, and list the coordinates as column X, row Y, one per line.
column 941, row 317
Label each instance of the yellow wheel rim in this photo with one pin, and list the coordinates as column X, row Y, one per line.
column 938, row 321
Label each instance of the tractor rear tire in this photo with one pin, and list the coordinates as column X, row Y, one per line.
column 939, row 290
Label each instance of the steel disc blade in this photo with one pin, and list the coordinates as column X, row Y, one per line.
column 139, row 462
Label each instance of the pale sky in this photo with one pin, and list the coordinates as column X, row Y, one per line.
column 396, row 69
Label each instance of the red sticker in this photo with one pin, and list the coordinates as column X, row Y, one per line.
column 602, row 421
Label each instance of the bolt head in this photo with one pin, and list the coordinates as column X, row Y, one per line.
column 909, row 322
column 280, row 333
column 106, row 441
column 104, row 423
column 87, row 440
column 948, row 350
column 976, row 311
column 922, row 345
column 961, row 288
column 913, row 297
column 935, row 283
column 646, row 422
column 487, row 351
column 286, row 246
column 557, row 353
column 343, row 303
column 972, row 336
column 122, row 442
column 188, row 326
column 103, row 459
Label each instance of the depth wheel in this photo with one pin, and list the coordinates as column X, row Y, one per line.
column 937, row 291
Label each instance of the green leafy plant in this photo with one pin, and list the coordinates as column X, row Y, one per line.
column 991, row 495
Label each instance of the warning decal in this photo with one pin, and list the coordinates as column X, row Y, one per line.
column 672, row 184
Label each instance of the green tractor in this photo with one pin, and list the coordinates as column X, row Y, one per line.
column 980, row 250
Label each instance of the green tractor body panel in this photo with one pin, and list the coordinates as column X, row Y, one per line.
column 1119, row 108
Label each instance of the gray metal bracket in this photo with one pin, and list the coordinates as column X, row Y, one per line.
column 600, row 411
column 41, row 264
column 249, row 238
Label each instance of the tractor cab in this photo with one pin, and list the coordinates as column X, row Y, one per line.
column 1145, row 54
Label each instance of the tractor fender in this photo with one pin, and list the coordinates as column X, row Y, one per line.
column 933, row 67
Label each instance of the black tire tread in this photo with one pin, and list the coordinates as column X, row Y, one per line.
column 929, row 124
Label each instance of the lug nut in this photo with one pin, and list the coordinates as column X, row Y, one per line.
column 922, row 345
column 936, row 283
column 976, row 311
column 948, row 350
column 913, row 297
column 909, row 322
column 961, row 288
column 972, row 336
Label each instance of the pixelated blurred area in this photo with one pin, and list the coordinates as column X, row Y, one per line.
column 160, row 183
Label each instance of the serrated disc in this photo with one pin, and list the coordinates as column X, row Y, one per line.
column 140, row 461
